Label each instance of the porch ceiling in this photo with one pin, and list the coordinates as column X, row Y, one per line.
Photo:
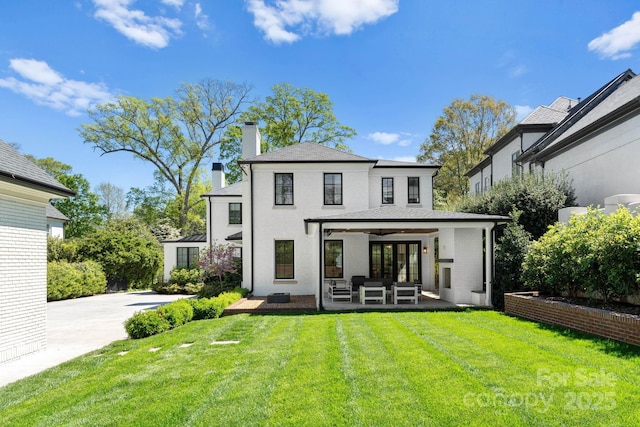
column 380, row 231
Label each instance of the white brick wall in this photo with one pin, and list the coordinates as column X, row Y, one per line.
column 23, row 277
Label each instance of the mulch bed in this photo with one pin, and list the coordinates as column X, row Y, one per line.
column 618, row 307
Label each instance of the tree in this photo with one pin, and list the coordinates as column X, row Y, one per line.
column 289, row 116
column 217, row 261
column 459, row 138
column 175, row 135
column 113, row 199
column 83, row 210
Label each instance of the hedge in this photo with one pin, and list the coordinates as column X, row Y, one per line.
column 147, row 323
column 67, row 280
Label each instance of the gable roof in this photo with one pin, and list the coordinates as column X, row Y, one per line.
column 234, row 189
column 53, row 213
column 17, row 169
column 576, row 114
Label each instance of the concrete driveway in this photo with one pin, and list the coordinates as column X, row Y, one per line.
column 78, row 326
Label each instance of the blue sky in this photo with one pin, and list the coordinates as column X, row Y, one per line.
column 389, row 66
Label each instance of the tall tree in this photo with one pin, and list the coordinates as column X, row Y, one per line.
column 466, row 128
column 84, row 210
column 175, row 135
column 113, row 199
column 289, row 116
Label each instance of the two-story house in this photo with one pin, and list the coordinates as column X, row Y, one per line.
column 311, row 214
column 596, row 143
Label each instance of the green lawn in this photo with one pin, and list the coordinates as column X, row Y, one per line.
column 367, row 369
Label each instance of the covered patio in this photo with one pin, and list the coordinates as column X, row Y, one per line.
column 463, row 243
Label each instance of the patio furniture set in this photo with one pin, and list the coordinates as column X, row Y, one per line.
column 375, row 290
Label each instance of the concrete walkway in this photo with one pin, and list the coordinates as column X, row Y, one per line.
column 78, row 326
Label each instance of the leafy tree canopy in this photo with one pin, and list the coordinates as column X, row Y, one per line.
column 288, row 116
column 466, row 128
column 176, row 135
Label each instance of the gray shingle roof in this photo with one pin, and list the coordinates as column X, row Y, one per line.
column 395, row 163
column 306, row 152
column 399, row 214
column 54, row 213
column 229, row 190
column 543, row 114
column 16, row 168
column 235, row 236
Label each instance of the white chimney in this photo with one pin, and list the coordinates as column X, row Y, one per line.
column 217, row 176
column 250, row 140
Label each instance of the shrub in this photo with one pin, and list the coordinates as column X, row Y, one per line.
column 176, row 313
column 145, row 324
column 206, row 308
column 62, row 250
column 71, row 280
column 595, row 253
column 182, row 281
column 128, row 253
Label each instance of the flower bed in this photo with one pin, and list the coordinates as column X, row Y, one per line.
column 608, row 324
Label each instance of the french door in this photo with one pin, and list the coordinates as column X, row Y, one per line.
column 398, row 261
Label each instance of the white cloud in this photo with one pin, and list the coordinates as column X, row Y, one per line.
column 47, row 87
column 202, row 20
column 175, row 3
column 284, row 21
column 617, row 43
column 150, row 31
column 403, row 139
column 517, row 71
column 522, row 111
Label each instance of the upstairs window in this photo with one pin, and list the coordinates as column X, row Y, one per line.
column 187, row 257
column 332, row 188
column 284, row 189
column 414, row 189
column 516, row 168
column 235, row 213
column 387, row 191
column 284, row 259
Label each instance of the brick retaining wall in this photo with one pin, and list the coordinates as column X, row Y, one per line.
column 607, row 324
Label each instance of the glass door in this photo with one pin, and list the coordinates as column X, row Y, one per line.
column 398, row 261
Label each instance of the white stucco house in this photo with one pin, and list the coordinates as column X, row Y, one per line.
column 310, row 214
column 597, row 143
column 25, row 191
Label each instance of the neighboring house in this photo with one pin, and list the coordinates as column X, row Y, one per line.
column 182, row 252
column 500, row 162
column 55, row 222
column 597, row 144
column 25, row 191
column 312, row 214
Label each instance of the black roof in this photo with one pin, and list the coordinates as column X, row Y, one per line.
column 17, row 169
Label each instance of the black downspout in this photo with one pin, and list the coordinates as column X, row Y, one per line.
column 210, row 222
column 491, row 171
column 320, row 306
column 252, row 248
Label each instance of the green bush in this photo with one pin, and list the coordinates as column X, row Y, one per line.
column 182, row 281
column 62, row 250
column 230, row 282
column 595, row 253
column 127, row 251
column 206, row 308
column 145, row 324
column 176, row 313
column 71, row 280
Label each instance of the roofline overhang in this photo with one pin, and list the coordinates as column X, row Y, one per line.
column 26, row 182
column 477, row 168
column 246, row 162
column 514, row 132
column 492, row 219
column 627, row 109
column 421, row 166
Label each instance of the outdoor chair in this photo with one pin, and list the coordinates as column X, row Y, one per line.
column 342, row 293
column 356, row 282
column 373, row 291
column 405, row 291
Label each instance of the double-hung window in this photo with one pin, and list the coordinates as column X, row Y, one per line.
column 516, row 168
column 387, row 191
column 332, row 188
column 284, row 259
column 283, row 189
column 235, row 213
column 187, row 257
column 413, row 183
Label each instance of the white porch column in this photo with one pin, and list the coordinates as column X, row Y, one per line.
column 488, row 250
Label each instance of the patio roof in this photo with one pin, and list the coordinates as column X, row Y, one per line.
column 400, row 214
